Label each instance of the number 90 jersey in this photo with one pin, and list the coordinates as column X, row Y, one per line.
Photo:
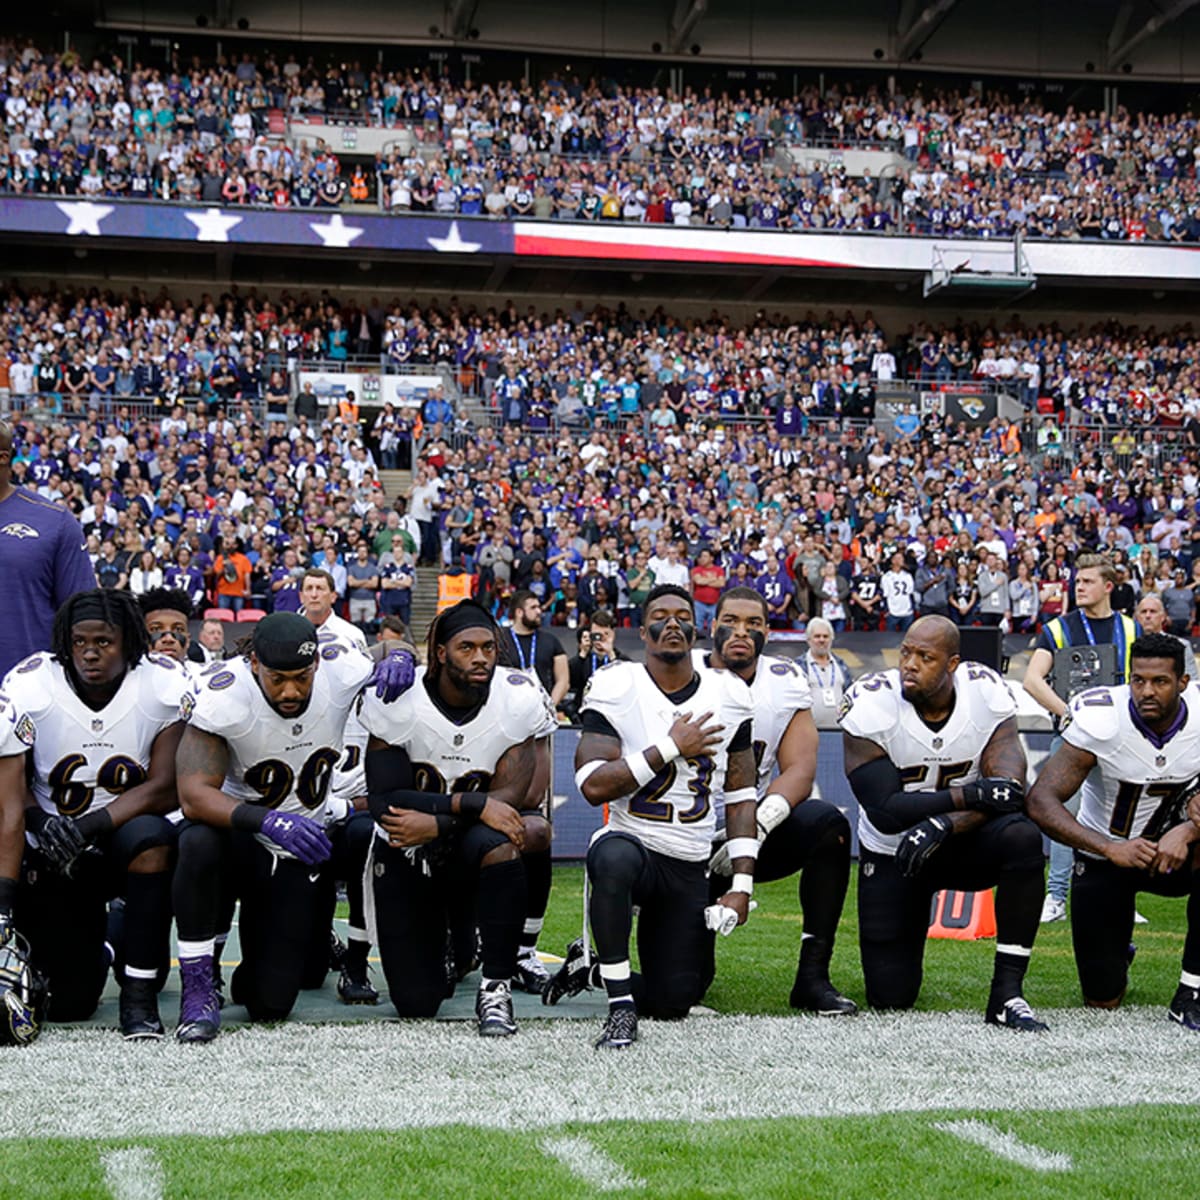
column 85, row 758
column 1140, row 788
column 282, row 762
column 673, row 814
column 929, row 760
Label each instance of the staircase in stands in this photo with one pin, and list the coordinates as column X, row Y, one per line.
column 425, row 593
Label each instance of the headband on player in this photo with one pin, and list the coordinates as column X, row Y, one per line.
column 466, row 614
column 285, row 641
column 90, row 606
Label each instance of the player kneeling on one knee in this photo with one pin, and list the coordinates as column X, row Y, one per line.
column 99, row 719
column 657, row 740
column 933, row 756
column 1139, row 816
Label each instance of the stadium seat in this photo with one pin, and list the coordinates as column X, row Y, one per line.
column 219, row 614
column 249, row 615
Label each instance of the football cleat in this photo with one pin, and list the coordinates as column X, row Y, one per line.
column 1185, row 1007
column 1053, row 909
column 531, row 975
column 1015, row 1013
column 199, row 1006
column 620, row 1029
column 354, row 986
column 821, row 997
column 493, row 1007
column 337, row 952
column 573, row 976
column 139, row 1019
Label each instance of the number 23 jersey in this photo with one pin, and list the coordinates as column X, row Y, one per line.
column 85, row 758
column 1139, row 789
column 929, row 760
column 674, row 813
column 282, row 762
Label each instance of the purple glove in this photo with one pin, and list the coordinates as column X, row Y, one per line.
column 299, row 835
column 394, row 675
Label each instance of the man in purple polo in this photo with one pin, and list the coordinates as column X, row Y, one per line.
column 43, row 559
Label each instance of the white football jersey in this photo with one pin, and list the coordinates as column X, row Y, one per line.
column 350, row 775
column 1139, row 788
column 450, row 757
column 84, row 758
column 284, row 763
column 778, row 692
column 674, row 813
column 929, row 760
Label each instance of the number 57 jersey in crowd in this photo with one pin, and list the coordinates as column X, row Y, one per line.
column 282, row 762
column 84, row 758
column 673, row 814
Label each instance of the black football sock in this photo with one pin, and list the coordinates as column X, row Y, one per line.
column 823, row 884
column 1191, row 943
column 147, row 922
column 502, row 902
column 538, row 875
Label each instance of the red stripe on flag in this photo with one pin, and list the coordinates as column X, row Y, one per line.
column 554, row 247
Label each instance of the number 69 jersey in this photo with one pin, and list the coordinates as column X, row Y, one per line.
column 85, row 758
column 451, row 757
column 929, row 760
column 1140, row 788
column 282, row 762
column 673, row 814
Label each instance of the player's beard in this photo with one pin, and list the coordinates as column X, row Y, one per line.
column 476, row 693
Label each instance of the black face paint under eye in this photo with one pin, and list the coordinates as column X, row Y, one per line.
column 723, row 633
column 656, row 629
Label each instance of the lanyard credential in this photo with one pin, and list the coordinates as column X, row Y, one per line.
column 532, row 663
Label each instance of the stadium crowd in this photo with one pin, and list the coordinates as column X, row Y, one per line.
column 974, row 165
column 625, row 451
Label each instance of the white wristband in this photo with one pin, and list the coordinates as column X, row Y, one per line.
column 743, row 883
column 742, row 847
column 587, row 771
column 667, row 748
column 772, row 812
column 639, row 768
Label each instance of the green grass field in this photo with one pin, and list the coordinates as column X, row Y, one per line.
column 755, row 1102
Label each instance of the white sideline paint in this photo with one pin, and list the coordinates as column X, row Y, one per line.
column 133, row 1174
column 591, row 1164
column 1006, row 1145
column 393, row 1075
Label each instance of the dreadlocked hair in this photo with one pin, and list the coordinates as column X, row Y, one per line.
column 118, row 609
column 452, row 619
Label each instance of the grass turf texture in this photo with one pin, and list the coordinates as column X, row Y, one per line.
column 1144, row 1151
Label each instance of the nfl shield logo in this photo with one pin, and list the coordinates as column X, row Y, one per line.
column 458, row 739
column 296, row 730
column 1161, row 760
column 937, row 743
column 97, row 725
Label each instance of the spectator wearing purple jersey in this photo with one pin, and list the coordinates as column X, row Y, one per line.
column 777, row 589
column 45, row 559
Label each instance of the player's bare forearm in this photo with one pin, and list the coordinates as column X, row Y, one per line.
column 157, row 794
column 1004, row 757
column 741, row 820
column 797, row 758
column 14, row 796
column 1059, row 780
column 614, row 779
column 200, row 765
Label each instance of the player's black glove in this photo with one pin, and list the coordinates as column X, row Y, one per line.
column 994, row 795
column 920, row 844
column 6, row 927
column 63, row 843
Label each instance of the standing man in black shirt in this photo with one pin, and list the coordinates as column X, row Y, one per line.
column 536, row 650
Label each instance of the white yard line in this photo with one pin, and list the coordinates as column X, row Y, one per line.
column 133, row 1173
column 1006, row 1145
column 393, row 1075
column 591, row 1164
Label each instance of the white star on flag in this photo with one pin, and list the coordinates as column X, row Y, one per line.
column 83, row 216
column 452, row 243
column 212, row 225
column 335, row 231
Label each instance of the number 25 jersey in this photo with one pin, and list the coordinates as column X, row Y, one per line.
column 929, row 760
column 85, row 758
column 674, row 813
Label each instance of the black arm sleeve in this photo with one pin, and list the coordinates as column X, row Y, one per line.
column 593, row 722
column 390, row 784
column 744, row 738
column 877, row 787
